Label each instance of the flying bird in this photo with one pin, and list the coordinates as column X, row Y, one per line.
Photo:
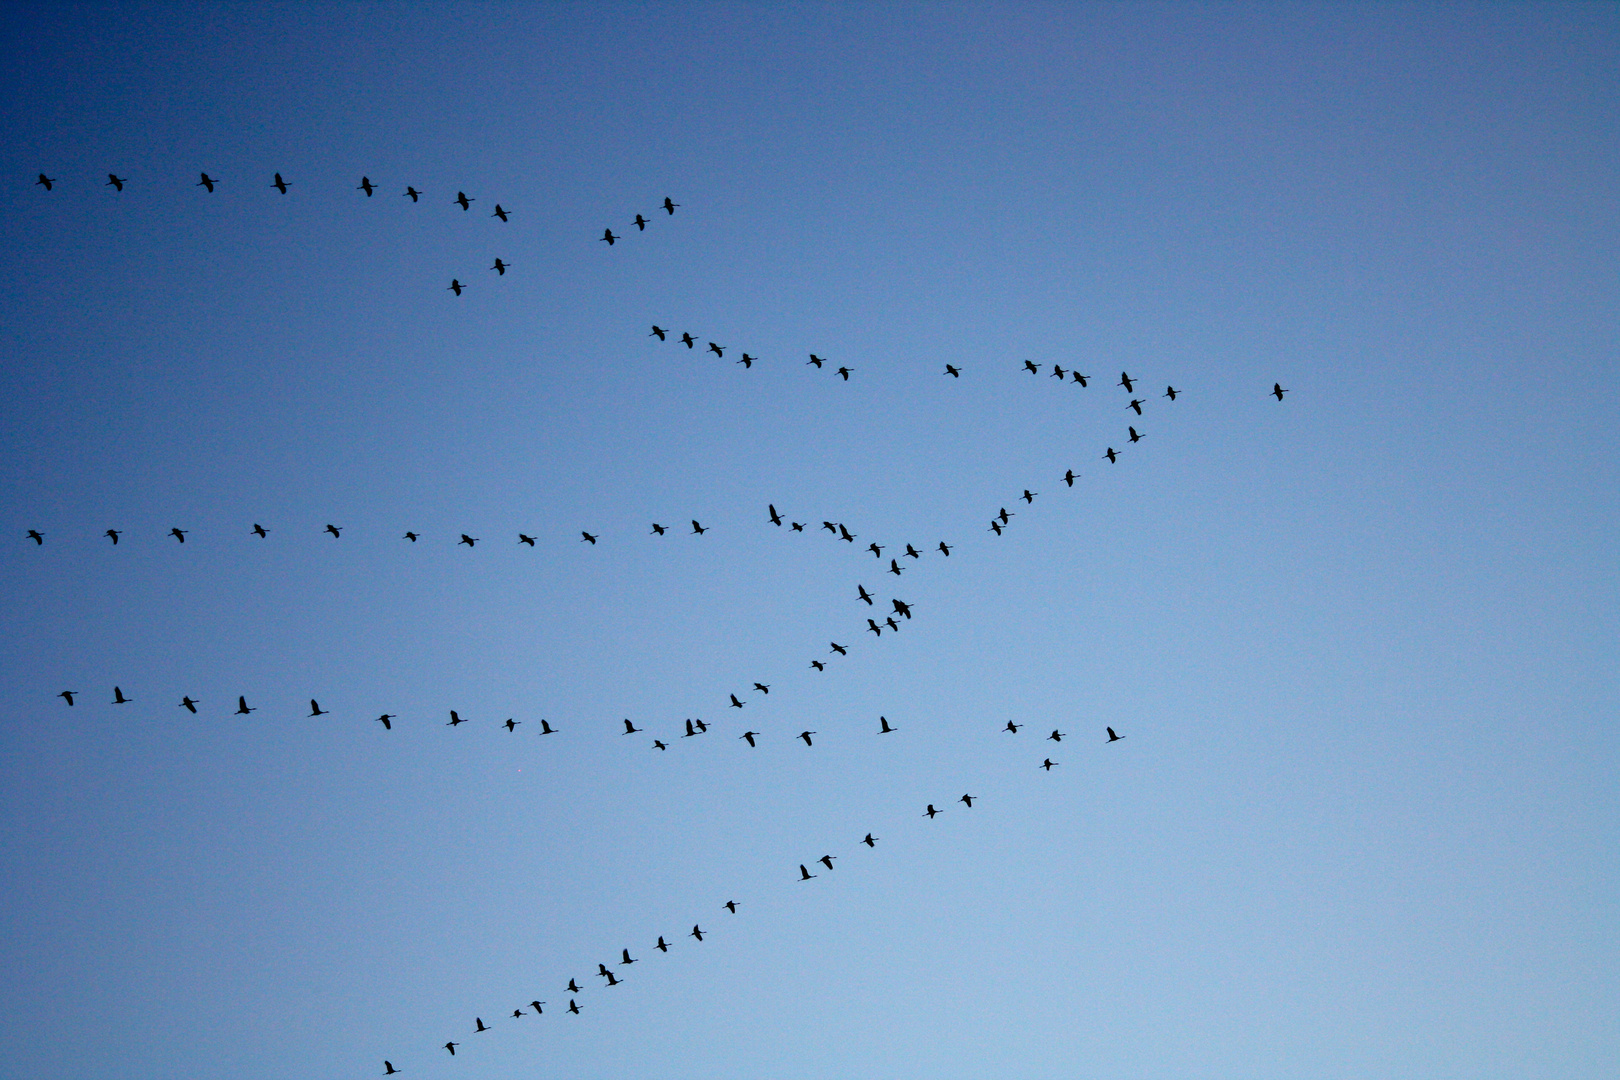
column 470, row 541
column 697, row 931
column 776, row 519
column 547, row 729
column 1125, row 381
column 500, row 267
column 690, row 730
column 952, row 371
column 805, row 735
column 455, row 286
column 607, row 234
column 735, row 704
column 315, row 708
column 409, row 536
column 875, row 549
column 870, row 840
column 894, row 567
column 658, row 530
column 1136, row 403
column 818, row 665
column 930, row 812
column 874, row 627
column 389, row 1066
column 46, row 181
column 717, row 350
column 844, row 371
column 450, row 1046
column 111, row 534
column 995, row 526
column 1047, row 764
column 511, row 725
column 115, row 181
column 67, row 696
column 1136, row 436
column 845, row 534
column 944, row 548
column 748, row 736
column 455, row 718
column 827, row 861
column 259, row 530
column 641, row 223
column 731, row 906
column 179, row 534
column 816, row 360
column 499, row 212
column 901, row 607
column 386, row 721
column 885, row 728
column 804, row 873
column 864, row 595
column 189, row 704
column 36, row 536
column 1111, row 455
column 659, row 333
column 839, row 649
column 279, row 184
column 480, row 1026
column 1057, row 373
column 334, row 530
column 206, row 182
column 662, row 946
column 1029, row 496
column 968, row 799
column 1005, row 515
column 535, row 1005
column 523, row 539
column 658, row 744
column 586, row 537
column 892, row 624
column 462, row 200
column 412, row 193
column 572, row 1007
column 1112, row 737
column 1029, row 365
column 242, row 707
column 1012, row 727
column 629, row 728
column 1171, row 392
column 1079, row 378
column 669, row 207
column 1056, row 736
column 747, row 361
column 1277, row 391
column 517, row 1014
column 688, row 340
column 573, row 987
column 366, row 186
column 697, row 530
column 626, row 959
column 762, row 688
column 1069, row 477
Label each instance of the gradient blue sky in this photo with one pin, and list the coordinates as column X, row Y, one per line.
column 1362, row 642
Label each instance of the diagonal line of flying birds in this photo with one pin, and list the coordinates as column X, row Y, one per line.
column 745, row 360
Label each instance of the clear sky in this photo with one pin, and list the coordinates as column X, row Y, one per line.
column 1361, row 643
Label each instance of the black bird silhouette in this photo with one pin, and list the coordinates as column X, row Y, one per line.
column 776, row 519
column 461, row 198
column 334, row 530
column 409, row 536
column 1136, row 403
column 870, row 841
column 1029, row 365
column 629, row 728
column 1111, row 455
column 901, row 607
column 804, row 873
column 115, row 181
column 547, row 729
column 735, row 704
column 1047, row 764
column 502, row 214
column 658, row 744
column 315, row 708
column 511, row 724
column 717, row 350
column 688, row 340
column 658, row 332
column 1057, row 373
column 827, row 861
column 535, row 1005
column 816, row 360
column 455, row 718
column 746, row 361
column 845, row 534
column 805, row 735
column 45, row 181
column 952, row 372
column 470, row 541
column 242, row 707
column 697, row 931
column 1277, row 391
column 1029, row 496
column 280, row 185
column 944, row 548
column 830, row 527
column 1012, row 727
column 995, row 526
column 818, row 665
column 703, row 729
column 1136, row 436
column 1112, row 737
column 517, row 1014
column 586, row 538
column 657, row 529
column 669, row 207
column 626, row 959
column 455, row 286
column 1069, row 476
column 259, row 530
column 731, row 906
column 179, row 534
column 892, row 624
column 189, row 704
column 894, row 567
column 112, row 534
column 206, row 182
column 36, row 536
column 573, row 987
column 875, row 549
column 884, row 729
column 748, row 736
column 412, row 193
column 480, row 1027
column 697, row 530
column 641, row 223
column 523, row 539
column 930, row 812
column 690, row 730
column 67, row 696
column 450, row 1046
column 662, row 946
column 1079, row 378
column 572, row 1007
column 966, row 799
column 386, row 720
column 607, row 234
column 844, row 371
column 389, row 1066
column 839, row 649
column 874, row 627
column 1125, row 381
column 500, row 267
column 864, row 595
column 1171, row 392
column 762, row 688
column 1056, row 736
column 601, row 969
column 1005, row 515
column 366, row 186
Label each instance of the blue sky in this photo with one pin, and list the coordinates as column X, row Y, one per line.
column 1361, row 642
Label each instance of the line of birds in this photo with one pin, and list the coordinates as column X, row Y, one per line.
column 610, row 238
column 746, row 360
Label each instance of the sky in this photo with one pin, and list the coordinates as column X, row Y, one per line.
column 1360, row 643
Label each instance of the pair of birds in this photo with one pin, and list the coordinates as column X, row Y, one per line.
column 640, row 223
column 930, row 812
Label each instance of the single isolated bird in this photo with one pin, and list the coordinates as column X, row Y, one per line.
column 366, row 186
column 45, row 181
column 1136, row 436
column 455, row 286
column 844, row 371
column 1112, row 737
column 952, row 371
column 546, row 728
column 697, row 530
column 111, row 534
column 805, row 735
column 189, row 704
column 1056, row 736
column 607, row 234
column 870, row 840
column 1012, row 727
column 827, row 861
column 586, row 538
column 864, row 595
column 877, row 551
column 894, row 567
column 945, row 549
column 1029, row 365
column 748, row 737
column 762, row 688
column 480, row 1021
column 573, row 1007
column 1029, row 496
column 658, row 332
column 412, row 194
column 462, row 200
column 629, row 728
column 1136, row 403
column 669, row 207
column 816, row 360
column 242, row 708
column 1069, row 477
column 818, row 665
column 659, row 530
column 409, row 536
column 36, row 536
column 455, row 718
column 1171, row 392
column 662, row 946
column 1047, row 764
column 500, row 267
column 67, row 696
column 1277, row 391
column 687, row 339
column 450, row 1046
column 968, row 799
column 179, row 534
column 697, row 932
column 731, row 906
column 839, row 649
column 776, row 519
column 279, row 184
column 315, row 708
column 1079, row 378
column 386, row 720
column 746, row 361
column 511, row 724
column 718, row 350
column 502, row 214
column 1111, row 455
column 930, row 812
column 259, row 530
column 735, row 704
column 470, row 541
column 658, row 744
column 206, row 182
column 1057, row 373
column 892, row 624
column 884, row 727
column 115, row 181
column 525, row 539
column 804, row 873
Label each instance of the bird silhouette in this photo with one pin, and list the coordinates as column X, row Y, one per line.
column 874, row 627
column 845, row 534
column 945, row 549
column 612, row 980
column 67, row 696
column 748, row 737
column 717, row 350
column 1057, row 373
column 1112, row 737
column 884, row 727
column 747, row 361
column 259, row 530
column 115, row 181
column 968, row 799
column 607, row 234
column 500, row 213
column 731, row 906
column 1005, row 515
column 913, row 552
column 697, row 530
column 386, row 720
column 315, row 708
column 844, row 371
column 480, row 1027
column 816, row 360
column 179, row 534
column 1125, row 381
column 470, row 541
column 189, row 704
column 1136, row 403
column 930, row 812
column 995, row 526
column 334, row 530
column 1029, row 366
column 870, row 840
column 818, row 665
column 586, row 537
column 1111, row 455
column 36, row 536
column 455, row 286
column 409, row 536
column 1171, row 392
column 111, row 534
column 500, row 267
column 1056, row 736
column 1047, row 764
column 952, row 371
column 641, row 223
column 1028, row 496
column 1069, row 477
column 892, row 624
column 688, row 340
column 735, row 704
column 659, row 332
column 1136, row 436
column 462, row 200
column 412, row 193
column 45, row 181
column 535, row 1005
column 690, row 730
column 697, row 931
column 280, row 185
column 629, row 728
column 875, row 549
column 517, row 1014
column 601, row 969
column 524, row 539
column 1277, row 391
column 242, row 707
column 366, row 186
column 894, row 567
column 450, row 1046
column 573, row 987
column 776, row 519
column 864, row 595
column 389, row 1067
column 206, row 182
column 511, row 724
column 662, row 946
column 658, row 744
column 762, row 688
column 573, row 1007
column 547, row 729
column 1012, row 727
column 839, row 649
column 455, row 718
column 669, row 207
column 805, row 735
column 805, row 874
column 830, row 527
column 901, row 607
column 626, row 959
column 1079, row 378
column 827, row 861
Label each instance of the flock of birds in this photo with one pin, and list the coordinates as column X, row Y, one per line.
column 694, row 727
column 462, row 199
